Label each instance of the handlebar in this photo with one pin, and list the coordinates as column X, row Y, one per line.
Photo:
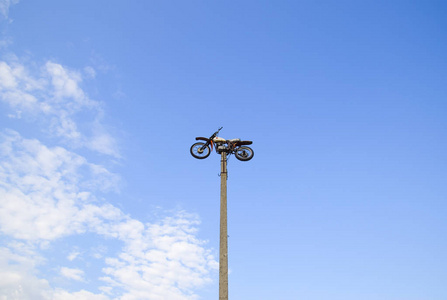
column 215, row 134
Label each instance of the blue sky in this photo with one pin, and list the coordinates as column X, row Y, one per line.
column 346, row 104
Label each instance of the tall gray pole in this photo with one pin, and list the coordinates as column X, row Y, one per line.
column 223, row 253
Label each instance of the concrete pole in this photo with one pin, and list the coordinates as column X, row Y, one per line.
column 223, row 253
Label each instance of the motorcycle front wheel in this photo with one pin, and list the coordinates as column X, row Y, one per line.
column 198, row 151
column 244, row 153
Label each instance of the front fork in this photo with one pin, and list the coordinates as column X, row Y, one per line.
column 201, row 149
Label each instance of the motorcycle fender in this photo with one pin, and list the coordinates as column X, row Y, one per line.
column 201, row 138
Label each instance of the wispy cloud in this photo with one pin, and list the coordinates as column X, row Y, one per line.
column 5, row 5
column 52, row 94
column 73, row 255
column 81, row 295
column 70, row 273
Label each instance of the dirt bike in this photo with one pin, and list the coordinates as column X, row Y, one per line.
column 201, row 150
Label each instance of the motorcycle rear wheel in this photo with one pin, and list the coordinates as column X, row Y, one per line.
column 244, row 153
column 197, row 152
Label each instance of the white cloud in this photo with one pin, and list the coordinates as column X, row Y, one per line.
column 73, row 255
column 7, row 79
column 41, row 190
column 160, row 261
column 70, row 273
column 65, row 84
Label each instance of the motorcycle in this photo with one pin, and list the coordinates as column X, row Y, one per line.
column 201, row 150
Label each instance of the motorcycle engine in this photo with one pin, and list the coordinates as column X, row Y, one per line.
column 220, row 144
column 220, row 147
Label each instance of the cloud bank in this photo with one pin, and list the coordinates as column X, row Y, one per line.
column 50, row 193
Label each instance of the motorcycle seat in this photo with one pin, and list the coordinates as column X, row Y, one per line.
column 234, row 140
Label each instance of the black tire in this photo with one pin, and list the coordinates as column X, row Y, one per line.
column 195, row 151
column 244, row 153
